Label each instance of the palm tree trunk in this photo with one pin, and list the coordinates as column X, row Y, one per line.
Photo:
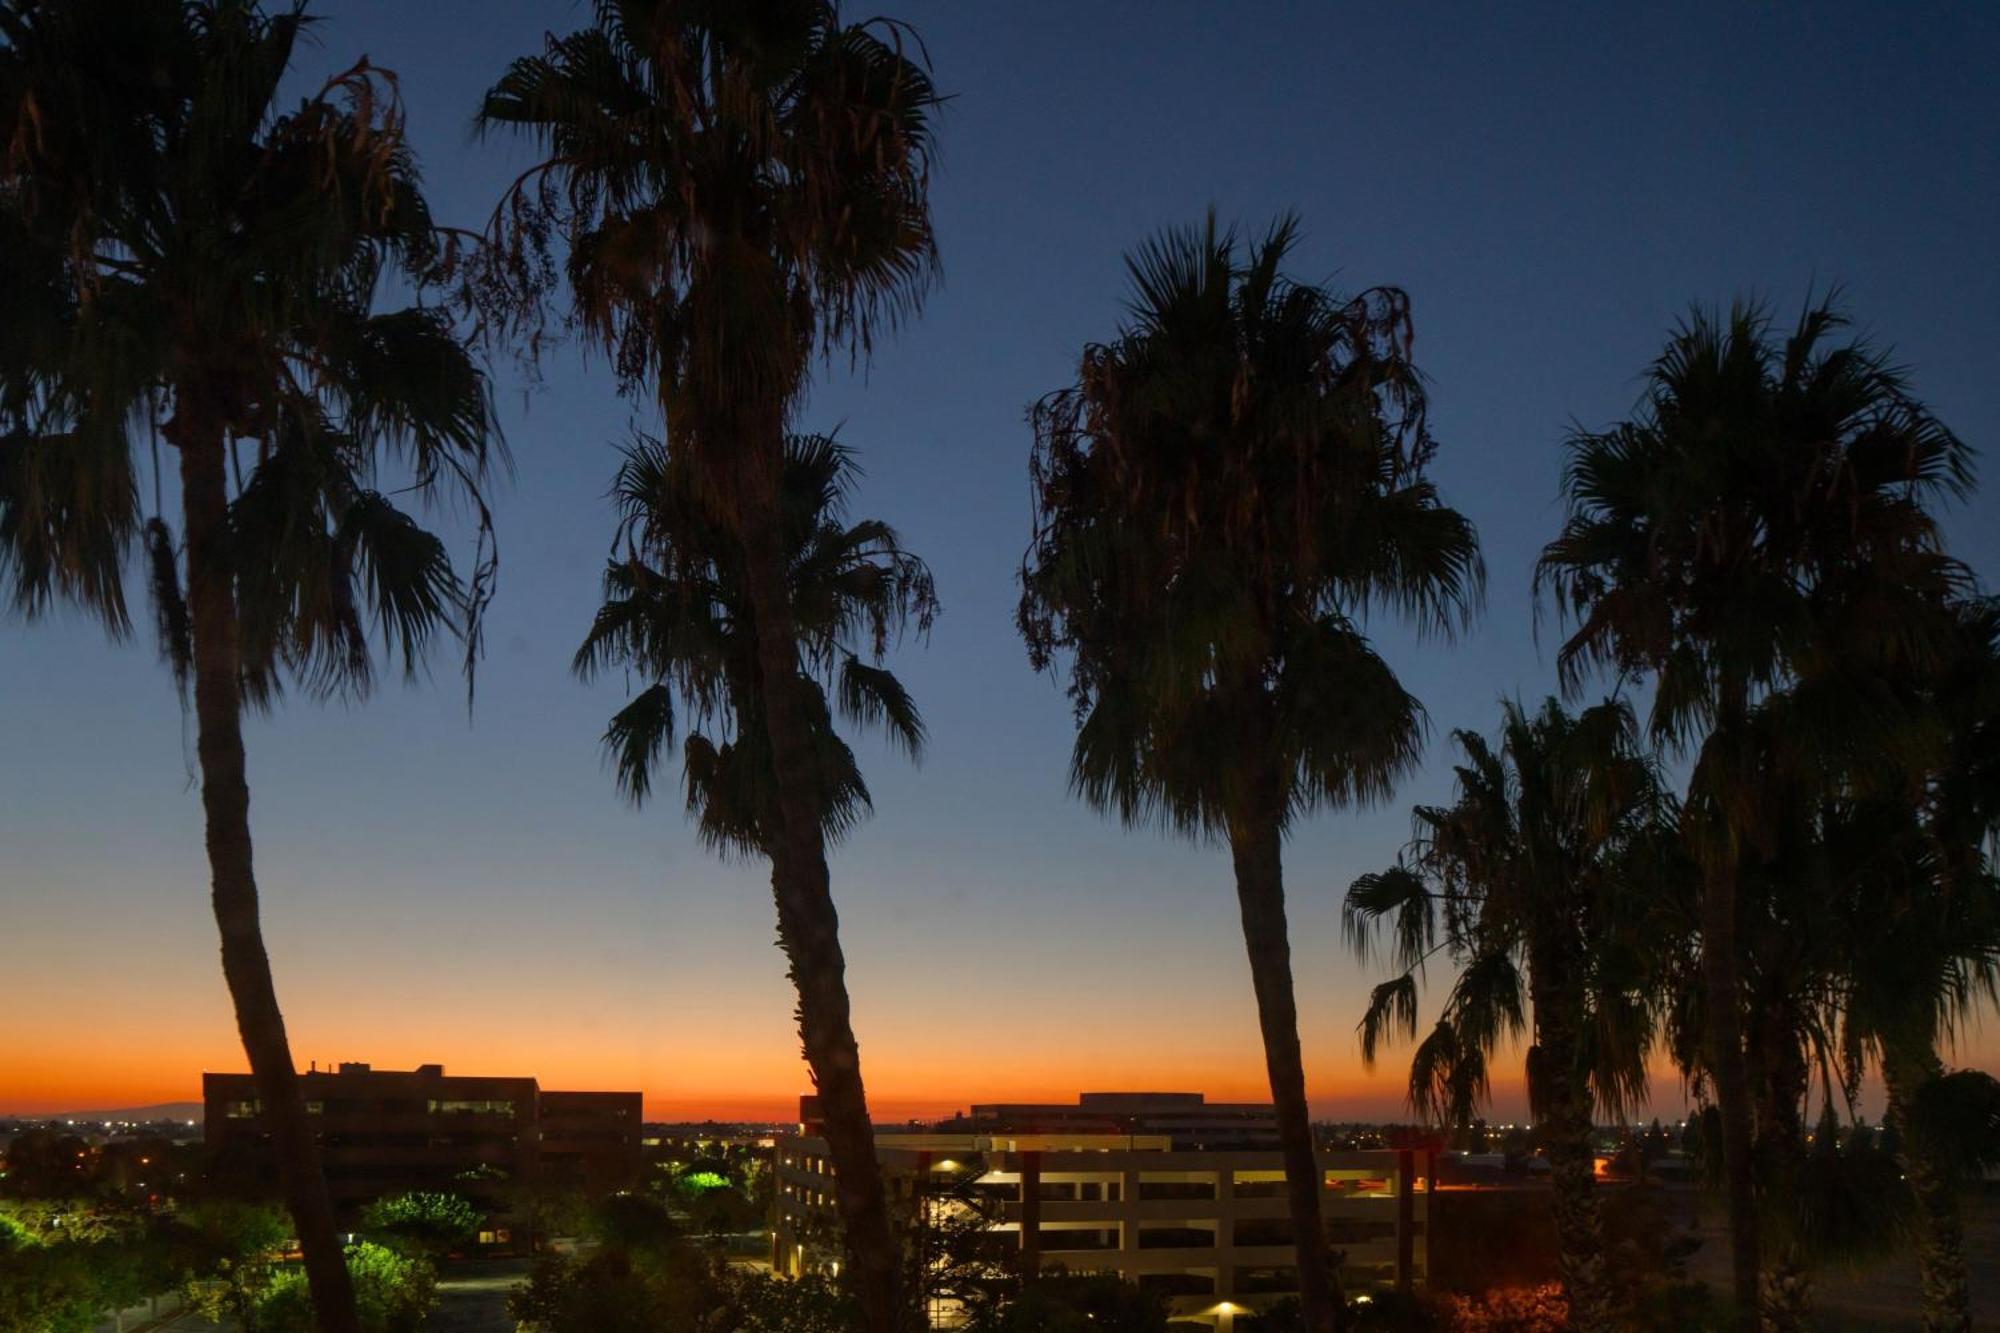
column 1256, row 844
column 808, row 924
column 1947, row 1303
column 225, row 798
column 1559, row 1093
column 1780, row 1078
column 1722, row 999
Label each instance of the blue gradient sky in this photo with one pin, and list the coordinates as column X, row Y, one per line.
column 1553, row 184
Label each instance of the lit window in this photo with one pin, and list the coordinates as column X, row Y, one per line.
column 471, row 1107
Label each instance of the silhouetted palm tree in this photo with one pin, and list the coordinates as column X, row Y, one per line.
column 1539, row 870
column 1769, row 499
column 1225, row 493
column 742, row 187
column 677, row 611
column 1922, row 944
column 186, row 265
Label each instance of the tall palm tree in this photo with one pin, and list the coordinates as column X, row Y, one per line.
column 186, row 265
column 1228, row 489
column 1538, row 870
column 1770, row 497
column 677, row 611
column 741, row 188
column 1923, row 939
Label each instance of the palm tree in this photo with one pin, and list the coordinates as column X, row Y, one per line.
column 186, row 265
column 1770, row 498
column 1536, row 868
column 677, row 611
column 1225, row 493
column 1923, row 940
column 1785, row 898
column 741, row 188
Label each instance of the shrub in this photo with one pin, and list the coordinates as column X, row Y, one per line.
column 422, row 1222
column 393, row 1293
column 1540, row 1309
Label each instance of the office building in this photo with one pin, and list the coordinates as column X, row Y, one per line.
column 1169, row 1207
column 492, row 1140
column 1188, row 1119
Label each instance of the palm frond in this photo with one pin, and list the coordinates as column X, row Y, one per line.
column 677, row 612
column 638, row 734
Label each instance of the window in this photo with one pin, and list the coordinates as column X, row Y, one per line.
column 1355, row 1231
column 1260, row 1184
column 1174, row 1187
column 1176, row 1238
column 1264, row 1231
column 437, row 1107
column 1267, row 1281
column 1178, row 1284
column 1080, row 1238
column 249, row 1110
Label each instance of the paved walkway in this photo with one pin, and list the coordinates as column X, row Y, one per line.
column 472, row 1296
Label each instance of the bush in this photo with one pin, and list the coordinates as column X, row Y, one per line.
column 392, row 1292
column 421, row 1222
column 1539, row 1309
column 1073, row 1303
column 760, row 1303
column 52, row 1283
column 47, row 1289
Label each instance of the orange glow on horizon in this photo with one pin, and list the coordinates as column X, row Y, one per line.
column 719, row 1085
column 97, row 1072
column 114, row 1032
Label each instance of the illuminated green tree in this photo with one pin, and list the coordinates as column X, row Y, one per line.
column 48, row 1289
column 393, row 1293
column 234, row 1250
column 191, row 275
column 423, row 1222
column 1225, row 494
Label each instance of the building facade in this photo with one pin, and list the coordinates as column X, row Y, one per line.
column 1208, row 1227
column 1188, row 1119
column 495, row 1141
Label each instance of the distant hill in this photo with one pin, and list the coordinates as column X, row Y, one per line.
column 157, row 1111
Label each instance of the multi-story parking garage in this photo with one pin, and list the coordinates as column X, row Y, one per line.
column 1208, row 1228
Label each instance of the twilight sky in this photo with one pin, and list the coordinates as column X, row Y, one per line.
column 1553, row 184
